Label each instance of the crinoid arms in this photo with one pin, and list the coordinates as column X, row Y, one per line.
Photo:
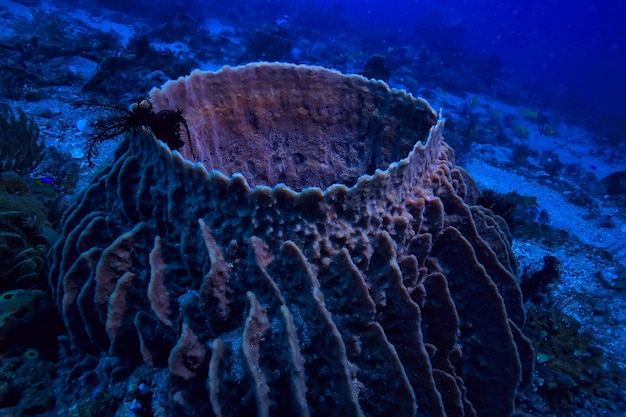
column 165, row 125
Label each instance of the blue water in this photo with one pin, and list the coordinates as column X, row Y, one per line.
column 574, row 50
column 569, row 55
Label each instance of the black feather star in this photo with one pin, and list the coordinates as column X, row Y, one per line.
column 165, row 125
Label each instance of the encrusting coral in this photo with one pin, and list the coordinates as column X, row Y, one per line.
column 327, row 260
column 30, row 309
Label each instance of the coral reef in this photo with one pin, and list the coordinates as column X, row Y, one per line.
column 25, row 237
column 32, row 309
column 127, row 75
column 26, row 386
column 574, row 375
column 520, row 131
column 517, row 210
column 535, row 283
column 36, row 54
column 356, row 277
column 25, row 234
column 271, row 42
column 376, row 68
column 17, row 308
column 20, row 144
column 615, row 183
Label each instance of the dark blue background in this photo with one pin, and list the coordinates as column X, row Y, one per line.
column 563, row 54
column 572, row 49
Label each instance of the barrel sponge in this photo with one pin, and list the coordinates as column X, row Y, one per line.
column 299, row 125
column 323, row 256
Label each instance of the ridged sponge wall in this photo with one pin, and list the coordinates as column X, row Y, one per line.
column 394, row 296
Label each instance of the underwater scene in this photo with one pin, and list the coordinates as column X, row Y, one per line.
column 312, row 208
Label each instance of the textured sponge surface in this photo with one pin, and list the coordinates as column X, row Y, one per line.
column 391, row 295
